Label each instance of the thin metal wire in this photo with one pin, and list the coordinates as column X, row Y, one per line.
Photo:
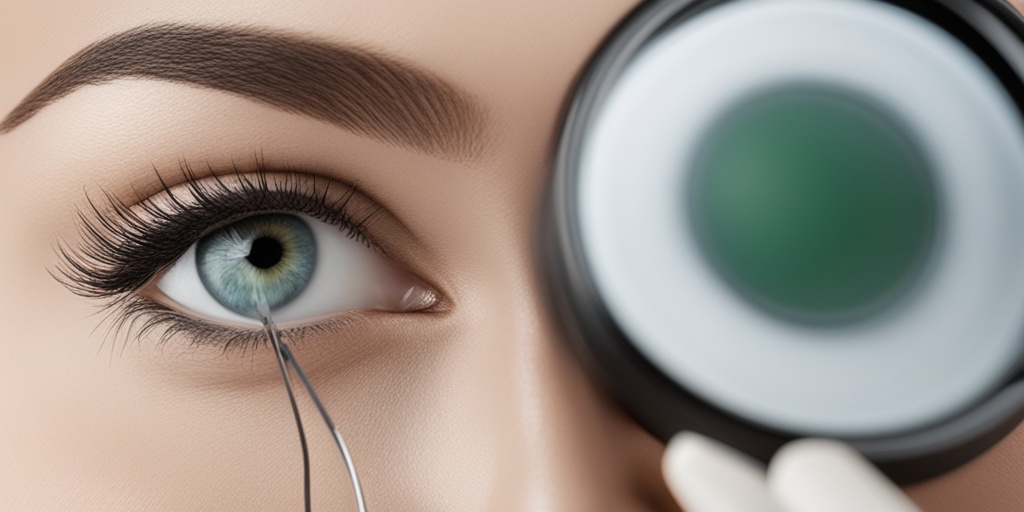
column 275, row 339
column 345, row 454
column 284, row 354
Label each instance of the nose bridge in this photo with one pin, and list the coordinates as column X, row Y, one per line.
column 570, row 447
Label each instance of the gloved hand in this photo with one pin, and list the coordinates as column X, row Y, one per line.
column 807, row 475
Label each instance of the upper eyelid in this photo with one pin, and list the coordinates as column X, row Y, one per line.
column 109, row 233
column 319, row 186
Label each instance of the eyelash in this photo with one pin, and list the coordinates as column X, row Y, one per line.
column 124, row 247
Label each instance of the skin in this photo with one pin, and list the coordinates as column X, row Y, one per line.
column 477, row 406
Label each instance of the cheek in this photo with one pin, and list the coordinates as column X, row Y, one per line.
column 994, row 482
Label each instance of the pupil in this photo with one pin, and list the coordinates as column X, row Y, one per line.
column 265, row 252
column 813, row 203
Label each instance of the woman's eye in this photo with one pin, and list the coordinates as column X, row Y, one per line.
column 301, row 267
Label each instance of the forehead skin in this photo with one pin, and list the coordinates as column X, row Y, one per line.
column 498, row 418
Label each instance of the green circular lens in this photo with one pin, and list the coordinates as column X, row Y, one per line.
column 813, row 203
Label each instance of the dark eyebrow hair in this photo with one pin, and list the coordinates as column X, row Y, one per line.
column 366, row 93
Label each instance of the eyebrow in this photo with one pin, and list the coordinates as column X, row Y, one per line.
column 358, row 90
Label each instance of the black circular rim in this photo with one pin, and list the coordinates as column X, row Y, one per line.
column 991, row 28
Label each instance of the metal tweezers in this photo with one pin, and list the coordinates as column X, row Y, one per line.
column 284, row 356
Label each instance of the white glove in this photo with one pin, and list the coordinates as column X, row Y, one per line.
column 807, row 475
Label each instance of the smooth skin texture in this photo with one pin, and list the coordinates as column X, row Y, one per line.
column 477, row 407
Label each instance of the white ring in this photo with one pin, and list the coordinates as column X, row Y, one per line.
column 942, row 349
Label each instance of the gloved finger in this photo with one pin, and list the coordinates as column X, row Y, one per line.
column 812, row 475
column 707, row 476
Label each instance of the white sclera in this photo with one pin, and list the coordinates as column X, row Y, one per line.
column 348, row 276
column 945, row 346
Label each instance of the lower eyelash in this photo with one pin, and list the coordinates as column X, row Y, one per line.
column 125, row 247
column 135, row 317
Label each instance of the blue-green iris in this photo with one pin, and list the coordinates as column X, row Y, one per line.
column 270, row 255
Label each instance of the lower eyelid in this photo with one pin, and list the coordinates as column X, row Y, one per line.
column 145, row 318
column 342, row 348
